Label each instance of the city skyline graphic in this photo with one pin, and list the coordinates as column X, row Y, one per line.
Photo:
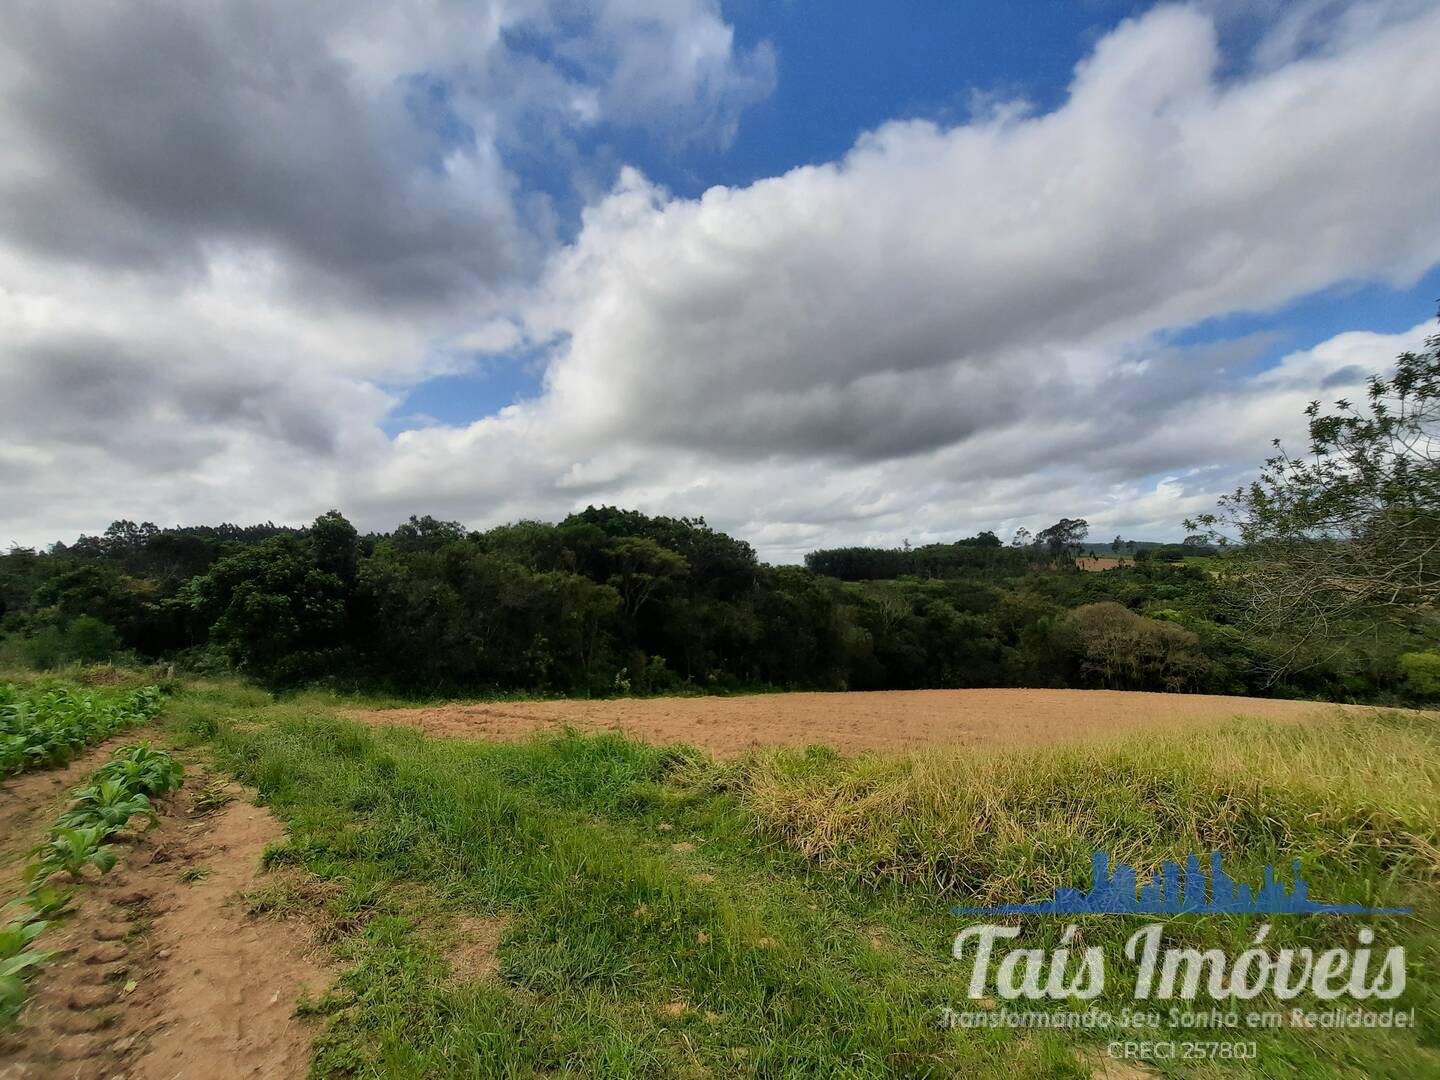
column 1177, row 890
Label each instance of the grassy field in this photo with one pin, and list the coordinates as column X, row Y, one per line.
column 587, row 905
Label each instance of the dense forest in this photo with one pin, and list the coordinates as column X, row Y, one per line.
column 610, row 601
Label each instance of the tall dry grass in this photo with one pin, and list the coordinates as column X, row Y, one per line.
column 1357, row 798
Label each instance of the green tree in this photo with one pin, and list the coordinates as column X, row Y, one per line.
column 456, row 616
column 1120, row 650
column 1061, row 539
column 641, row 569
column 427, row 533
column 1348, row 534
column 1422, row 674
column 336, row 545
column 277, row 613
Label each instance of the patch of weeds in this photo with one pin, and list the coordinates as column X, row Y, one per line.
column 211, row 798
column 138, row 928
column 202, row 728
column 327, row 1003
column 277, row 899
column 289, row 892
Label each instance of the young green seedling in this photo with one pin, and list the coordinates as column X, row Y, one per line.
column 109, row 804
column 143, row 770
column 16, row 958
column 70, row 850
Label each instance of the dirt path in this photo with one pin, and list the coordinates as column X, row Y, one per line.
column 889, row 720
column 161, row 974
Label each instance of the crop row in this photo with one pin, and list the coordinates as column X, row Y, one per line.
column 120, row 790
column 47, row 727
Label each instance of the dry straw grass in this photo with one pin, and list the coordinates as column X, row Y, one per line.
column 1358, row 797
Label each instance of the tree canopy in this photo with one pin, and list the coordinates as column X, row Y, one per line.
column 1347, row 535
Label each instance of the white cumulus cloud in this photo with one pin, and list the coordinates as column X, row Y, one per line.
column 951, row 328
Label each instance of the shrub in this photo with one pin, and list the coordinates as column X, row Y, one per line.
column 45, row 649
column 1124, row 651
column 1422, row 674
column 89, row 640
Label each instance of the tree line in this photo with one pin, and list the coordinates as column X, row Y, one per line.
column 611, row 601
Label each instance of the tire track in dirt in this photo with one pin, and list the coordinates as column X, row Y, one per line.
column 160, row 973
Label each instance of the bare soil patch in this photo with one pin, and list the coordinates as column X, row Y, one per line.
column 476, row 952
column 161, row 973
column 886, row 720
column 1102, row 562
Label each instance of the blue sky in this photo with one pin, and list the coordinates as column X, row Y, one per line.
column 821, row 272
column 849, row 67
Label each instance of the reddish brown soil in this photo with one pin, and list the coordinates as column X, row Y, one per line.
column 1102, row 562
column 893, row 720
column 156, row 977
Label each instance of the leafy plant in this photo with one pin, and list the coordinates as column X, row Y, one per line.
column 110, row 803
column 42, row 902
column 143, row 770
column 47, row 727
column 16, row 958
column 71, row 849
column 16, row 937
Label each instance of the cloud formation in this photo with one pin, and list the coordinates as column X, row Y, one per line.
column 209, row 272
column 358, row 144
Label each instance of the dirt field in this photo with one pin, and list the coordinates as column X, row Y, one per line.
column 891, row 720
column 1102, row 562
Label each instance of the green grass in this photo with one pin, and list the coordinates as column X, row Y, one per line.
column 787, row 915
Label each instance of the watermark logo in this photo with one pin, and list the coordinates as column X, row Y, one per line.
column 1075, row 970
column 1173, row 891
